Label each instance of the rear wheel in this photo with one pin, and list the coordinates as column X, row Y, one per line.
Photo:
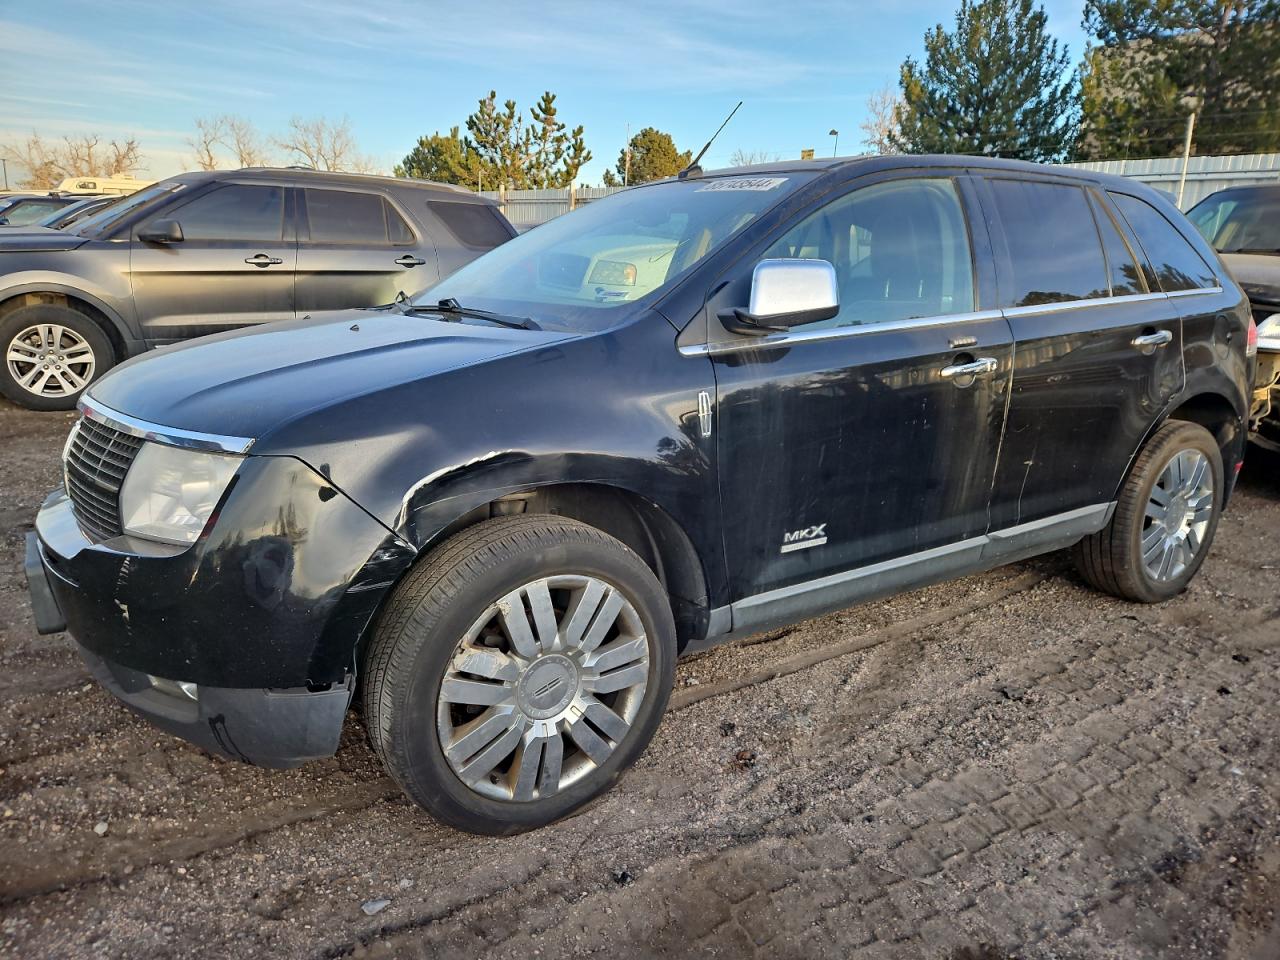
column 1164, row 520
column 51, row 354
column 517, row 671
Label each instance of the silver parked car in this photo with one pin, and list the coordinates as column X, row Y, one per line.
column 206, row 252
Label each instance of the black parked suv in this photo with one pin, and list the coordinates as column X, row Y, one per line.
column 695, row 410
column 207, row 252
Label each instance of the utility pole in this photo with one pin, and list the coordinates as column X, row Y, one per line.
column 5, row 163
column 626, row 163
column 1186, row 156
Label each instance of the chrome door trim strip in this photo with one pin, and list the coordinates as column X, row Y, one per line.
column 1197, row 292
column 158, row 433
column 835, row 333
column 799, row 601
column 1059, row 306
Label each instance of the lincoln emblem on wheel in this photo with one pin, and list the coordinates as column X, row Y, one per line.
column 496, row 512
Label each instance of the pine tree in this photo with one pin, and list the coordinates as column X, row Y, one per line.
column 996, row 85
column 1152, row 63
column 653, row 156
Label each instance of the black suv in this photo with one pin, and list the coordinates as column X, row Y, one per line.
column 206, row 252
column 695, row 410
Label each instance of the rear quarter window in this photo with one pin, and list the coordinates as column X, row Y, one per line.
column 1175, row 263
column 474, row 225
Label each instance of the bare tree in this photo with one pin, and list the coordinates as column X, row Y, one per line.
column 881, row 125
column 82, row 156
column 745, row 158
column 324, row 145
column 243, row 139
column 210, row 132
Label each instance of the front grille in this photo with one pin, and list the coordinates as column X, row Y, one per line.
column 97, row 460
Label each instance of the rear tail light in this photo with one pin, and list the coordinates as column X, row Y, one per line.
column 1251, row 341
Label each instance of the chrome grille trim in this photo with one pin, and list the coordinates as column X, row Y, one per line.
column 173, row 436
column 97, row 459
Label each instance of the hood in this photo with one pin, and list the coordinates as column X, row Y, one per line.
column 1257, row 273
column 249, row 383
column 31, row 239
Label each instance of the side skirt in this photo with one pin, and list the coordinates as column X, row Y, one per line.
column 788, row 605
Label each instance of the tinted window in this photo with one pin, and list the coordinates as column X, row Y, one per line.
column 1122, row 265
column 1176, row 263
column 337, row 216
column 397, row 229
column 1240, row 221
column 901, row 250
column 472, row 224
column 234, row 212
column 1053, row 244
column 29, row 211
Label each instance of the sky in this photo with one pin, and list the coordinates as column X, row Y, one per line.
column 400, row 68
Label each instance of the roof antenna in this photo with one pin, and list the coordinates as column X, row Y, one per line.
column 693, row 170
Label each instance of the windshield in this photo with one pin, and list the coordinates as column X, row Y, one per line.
column 109, row 216
column 1238, row 221
column 575, row 271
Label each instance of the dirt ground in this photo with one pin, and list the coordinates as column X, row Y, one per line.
column 1005, row 766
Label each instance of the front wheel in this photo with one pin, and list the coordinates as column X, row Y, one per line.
column 1164, row 520
column 51, row 354
column 517, row 671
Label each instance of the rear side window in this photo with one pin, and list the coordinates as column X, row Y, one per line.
column 1176, row 264
column 234, row 212
column 1054, row 252
column 1126, row 276
column 341, row 216
column 471, row 224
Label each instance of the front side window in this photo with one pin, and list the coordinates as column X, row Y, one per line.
column 1176, row 264
column 234, row 212
column 1240, row 221
column 900, row 250
column 1054, row 251
column 576, row 270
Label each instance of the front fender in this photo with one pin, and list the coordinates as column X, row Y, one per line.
column 113, row 301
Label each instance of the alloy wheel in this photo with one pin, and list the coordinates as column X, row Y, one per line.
column 50, row 360
column 543, row 688
column 1177, row 515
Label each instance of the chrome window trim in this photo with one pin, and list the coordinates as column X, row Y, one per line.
column 1196, row 292
column 158, row 433
column 1058, row 307
column 835, row 333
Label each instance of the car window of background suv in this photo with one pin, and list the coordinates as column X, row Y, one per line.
column 900, row 251
column 234, row 212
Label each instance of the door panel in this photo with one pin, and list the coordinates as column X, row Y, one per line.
column 232, row 268
column 1084, row 393
column 356, row 250
column 843, row 444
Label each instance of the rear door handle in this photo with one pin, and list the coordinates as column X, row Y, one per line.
column 1148, row 342
column 963, row 374
column 410, row 261
column 262, row 260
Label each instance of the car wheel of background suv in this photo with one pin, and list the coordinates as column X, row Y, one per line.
column 1164, row 519
column 517, row 671
column 51, row 353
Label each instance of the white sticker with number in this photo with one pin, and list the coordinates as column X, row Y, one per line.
column 743, row 183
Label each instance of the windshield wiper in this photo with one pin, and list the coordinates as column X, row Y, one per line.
column 452, row 309
column 1253, row 250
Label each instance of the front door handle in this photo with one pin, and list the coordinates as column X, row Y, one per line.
column 963, row 374
column 1150, row 342
column 410, row 261
column 262, row 260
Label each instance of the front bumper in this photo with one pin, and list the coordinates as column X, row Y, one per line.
column 262, row 615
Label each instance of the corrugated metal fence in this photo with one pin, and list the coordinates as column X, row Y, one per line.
column 528, row 208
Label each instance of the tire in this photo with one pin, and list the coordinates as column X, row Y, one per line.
column 450, row 664
column 62, row 369
column 1114, row 559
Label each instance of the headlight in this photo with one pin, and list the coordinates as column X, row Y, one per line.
column 169, row 493
column 1269, row 333
column 613, row 271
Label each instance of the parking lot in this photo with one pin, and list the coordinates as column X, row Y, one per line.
column 1010, row 765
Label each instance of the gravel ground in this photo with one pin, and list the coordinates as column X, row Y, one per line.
column 1005, row 766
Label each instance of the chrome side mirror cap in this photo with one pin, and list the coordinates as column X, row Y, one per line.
column 786, row 293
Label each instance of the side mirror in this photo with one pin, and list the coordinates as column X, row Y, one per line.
column 786, row 293
column 161, row 231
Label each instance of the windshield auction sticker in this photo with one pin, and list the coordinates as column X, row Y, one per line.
column 743, row 183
